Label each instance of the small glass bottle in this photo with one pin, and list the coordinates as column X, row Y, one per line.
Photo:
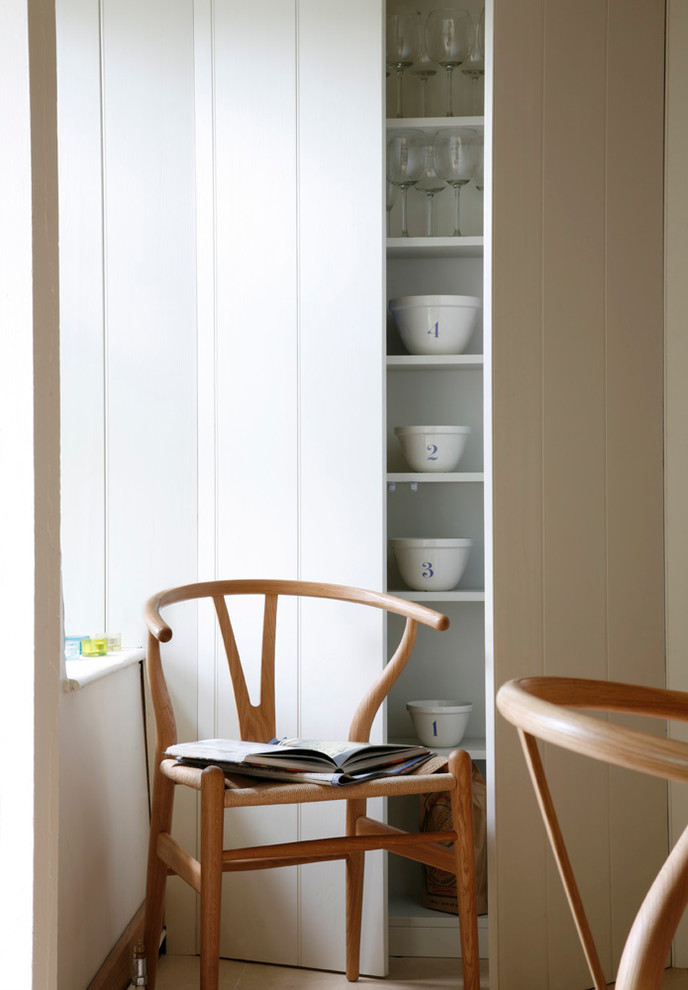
column 139, row 977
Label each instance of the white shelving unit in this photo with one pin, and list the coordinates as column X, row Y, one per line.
column 443, row 389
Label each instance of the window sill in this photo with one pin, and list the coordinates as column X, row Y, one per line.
column 79, row 673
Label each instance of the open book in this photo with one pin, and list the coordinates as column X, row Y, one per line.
column 313, row 760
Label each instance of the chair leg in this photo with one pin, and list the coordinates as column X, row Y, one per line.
column 355, row 862
column 156, row 877
column 212, row 817
column 462, row 815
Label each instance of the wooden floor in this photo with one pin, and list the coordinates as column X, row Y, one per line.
column 181, row 973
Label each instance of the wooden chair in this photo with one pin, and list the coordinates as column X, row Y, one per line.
column 546, row 708
column 257, row 722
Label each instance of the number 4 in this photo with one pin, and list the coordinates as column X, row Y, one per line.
column 434, row 331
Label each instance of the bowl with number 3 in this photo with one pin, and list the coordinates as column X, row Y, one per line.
column 432, row 448
column 431, row 565
column 435, row 324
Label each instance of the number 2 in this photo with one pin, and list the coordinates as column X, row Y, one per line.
column 432, row 455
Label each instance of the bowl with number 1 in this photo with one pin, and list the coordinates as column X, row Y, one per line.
column 431, row 565
column 435, row 324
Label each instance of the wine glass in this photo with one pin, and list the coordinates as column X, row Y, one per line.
column 474, row 65
column 447, row 40
column 406, row 157
column 430, row 184
column 423, row 68
column 403, row 38
column 455, row 155
column 391, row 200
column 478, row 175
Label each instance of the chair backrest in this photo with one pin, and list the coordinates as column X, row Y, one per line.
column 547, row 708
column 257, row 722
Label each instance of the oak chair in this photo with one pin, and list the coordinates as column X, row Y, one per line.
column 547, row 708
column 257, row 722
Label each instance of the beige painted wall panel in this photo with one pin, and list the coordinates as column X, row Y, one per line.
column 518, row 954
column 634, row 423
column 585, row 594
column 677, row 396
column 574, row 441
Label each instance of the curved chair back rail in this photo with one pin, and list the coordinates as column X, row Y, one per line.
column 549, row 708
column 257, row 722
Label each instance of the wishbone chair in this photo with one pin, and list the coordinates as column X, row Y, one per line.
column 547, row 708
column 257, row 722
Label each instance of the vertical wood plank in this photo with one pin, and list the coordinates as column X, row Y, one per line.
column 255, row 174
column 518, row 954
column 150, row 347
column 574, row 444
column 635, row 344
column 81, row 316
column 341, row 308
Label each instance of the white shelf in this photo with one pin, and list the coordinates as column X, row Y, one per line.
column 434, row 123
column 474, row 595
column 430, row 362
column 474, row 746
column 435, row 247
column 415, row 930
column 439, row 477
column 84, row 670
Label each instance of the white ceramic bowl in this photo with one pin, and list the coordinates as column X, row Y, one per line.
column 432, row 448
column 431, row 565
column 435, row 324
column 439, row 723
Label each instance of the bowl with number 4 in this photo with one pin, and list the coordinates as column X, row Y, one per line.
column 432, row 448
column 435, row 324
column 431, row 565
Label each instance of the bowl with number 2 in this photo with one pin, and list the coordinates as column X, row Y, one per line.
column 432, row 448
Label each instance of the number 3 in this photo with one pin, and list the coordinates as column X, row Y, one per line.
column 428, row 572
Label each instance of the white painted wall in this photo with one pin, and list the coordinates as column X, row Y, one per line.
column 223, row 307
column 103, row 821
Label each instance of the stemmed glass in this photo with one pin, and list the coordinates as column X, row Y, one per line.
column 406, row 157
column 478, row 175
column 391, row 200
column 455, row 154
column 403, row 39
column 430, row 184
column 447, row 40
column 423, row 68
column 474, row 66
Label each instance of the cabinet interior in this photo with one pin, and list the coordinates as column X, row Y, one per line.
column 448, row 390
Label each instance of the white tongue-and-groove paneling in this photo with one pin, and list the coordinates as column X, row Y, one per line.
column 150, row 346
column 256, row 413
column 232, row 248
column 341, row 307
column 81, row 316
